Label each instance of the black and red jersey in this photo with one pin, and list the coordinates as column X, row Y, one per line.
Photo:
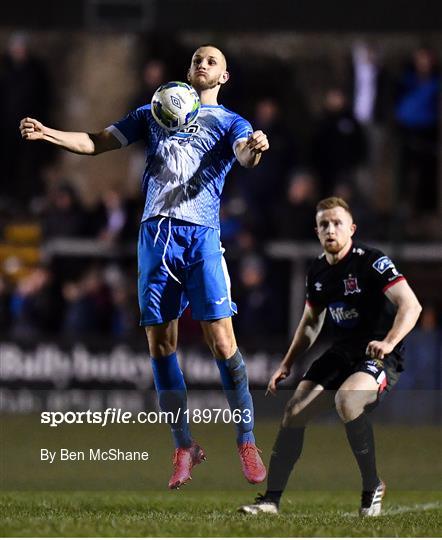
column 352, row 292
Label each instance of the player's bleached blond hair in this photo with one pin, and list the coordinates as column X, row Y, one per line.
column 333, row 202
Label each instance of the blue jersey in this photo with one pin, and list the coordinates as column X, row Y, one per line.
column 185, row 171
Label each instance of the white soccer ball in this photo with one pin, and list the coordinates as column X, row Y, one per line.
column 175, row 105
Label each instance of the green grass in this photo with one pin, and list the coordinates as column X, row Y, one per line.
column 131, row 498
column 187, row 513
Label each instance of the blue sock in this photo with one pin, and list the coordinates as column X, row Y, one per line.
column 236, row 387
column 172, row 396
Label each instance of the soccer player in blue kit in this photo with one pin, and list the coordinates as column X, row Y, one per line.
column 180, row 257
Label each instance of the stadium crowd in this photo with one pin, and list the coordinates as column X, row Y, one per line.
column 343, row 147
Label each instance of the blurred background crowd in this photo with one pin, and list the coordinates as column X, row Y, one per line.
column 362, row 122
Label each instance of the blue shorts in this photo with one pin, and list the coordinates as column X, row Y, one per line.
column 180, row 263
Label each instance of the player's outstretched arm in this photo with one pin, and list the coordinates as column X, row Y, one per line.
column 407, row 315
column 249, row 152
column 306, row 334
column 78, row 142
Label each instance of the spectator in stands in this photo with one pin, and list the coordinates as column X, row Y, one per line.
column 35, row 306
column 417, row 115
column 295, row 215
column 231, row 222
column 24, row 89
column 64, row 216
column 338, row 145
column 154, row 74
column 423, row 352
column 112, row 218
column 259, row 314
column 369, row 85
column 88, row 306
column 124, row 319
column 370, row 104
column 262, row 188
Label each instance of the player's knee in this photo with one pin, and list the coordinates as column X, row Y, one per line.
column 347, row 406
column 222, row 347
column 162, row 341
column 159, row 349
column 293, row 414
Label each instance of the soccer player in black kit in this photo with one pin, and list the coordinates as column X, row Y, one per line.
column 372, row 309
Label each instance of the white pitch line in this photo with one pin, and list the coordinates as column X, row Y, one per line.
column 402, row 509
column 415, row 508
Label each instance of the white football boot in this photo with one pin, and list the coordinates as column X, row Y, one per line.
column 261, row 505
column 371, row 501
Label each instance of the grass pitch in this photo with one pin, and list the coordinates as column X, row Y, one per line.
column 131, row 499
column 211, row 514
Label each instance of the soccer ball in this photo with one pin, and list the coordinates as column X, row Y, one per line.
column 175, row 105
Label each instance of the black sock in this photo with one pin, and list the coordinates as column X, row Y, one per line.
column 286, row 452
column 360, row 436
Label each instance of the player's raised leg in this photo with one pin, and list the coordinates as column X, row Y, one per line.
column 220, row 337
column 308, row 401
column 172, row 396
column 354, row 395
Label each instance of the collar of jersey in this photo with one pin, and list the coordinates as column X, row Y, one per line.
column 212, row 106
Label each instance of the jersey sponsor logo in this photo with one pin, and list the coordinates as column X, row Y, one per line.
column 184, row 136
column 351, row 285
column 194, row 128
column 383, row 264
column 343, row 315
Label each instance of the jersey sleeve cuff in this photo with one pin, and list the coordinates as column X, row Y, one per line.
column 400, row 278
column 235, row 144
column 118, row 135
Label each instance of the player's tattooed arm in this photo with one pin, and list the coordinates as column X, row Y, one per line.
column 306, row 334
column 249, row 152
column 77, row 142
column 408, row 311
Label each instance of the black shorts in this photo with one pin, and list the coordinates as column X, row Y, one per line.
column 339, row 362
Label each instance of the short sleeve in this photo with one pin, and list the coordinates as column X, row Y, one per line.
column 131, row 128
column 383, row 271
column 240, row 130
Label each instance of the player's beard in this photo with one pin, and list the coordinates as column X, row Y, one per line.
column 204, row 83
column 333, row 247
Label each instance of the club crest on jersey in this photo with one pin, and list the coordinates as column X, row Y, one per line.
column 351, row 286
